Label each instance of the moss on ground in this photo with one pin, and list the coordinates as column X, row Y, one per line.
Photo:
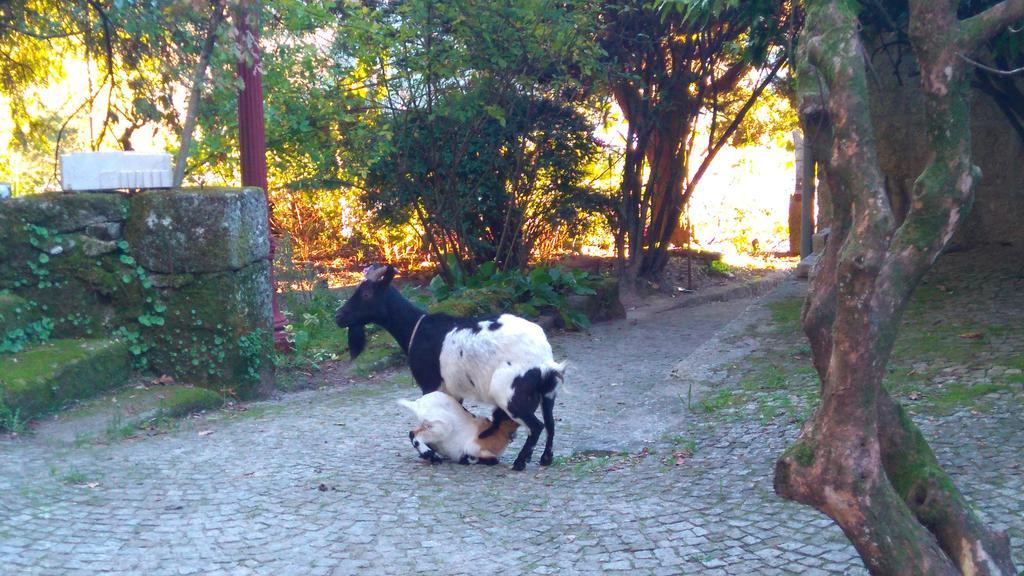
column 940, row 361
column 786, row 313
column 183, row 401
column 45, row 377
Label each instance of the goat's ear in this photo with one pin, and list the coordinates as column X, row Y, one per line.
column 389, row 275
column 356, row 340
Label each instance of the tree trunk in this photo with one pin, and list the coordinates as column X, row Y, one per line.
column 198, row 79
column 860, row 460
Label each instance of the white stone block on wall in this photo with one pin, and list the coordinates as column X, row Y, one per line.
column 114, row 170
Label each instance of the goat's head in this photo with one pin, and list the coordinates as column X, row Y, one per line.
column 364, row 306
column 422, row 439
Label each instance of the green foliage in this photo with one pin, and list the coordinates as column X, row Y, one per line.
column 480, row 143
column 542, row 289
column 311, row 330
column 486, row 185
column 255, row 348
column 19, row 338
column 11, row 420
column 719, row 268
column 74, row 476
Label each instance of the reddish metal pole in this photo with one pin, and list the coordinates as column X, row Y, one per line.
column 251, row 137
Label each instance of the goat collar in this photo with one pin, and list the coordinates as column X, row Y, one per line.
column 413, row 335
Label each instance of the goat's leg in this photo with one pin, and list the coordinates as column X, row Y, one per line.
column 535, row 426
column 497, row 418
column 547, row 407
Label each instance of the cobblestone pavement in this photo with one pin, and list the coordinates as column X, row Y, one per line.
column 324, row 482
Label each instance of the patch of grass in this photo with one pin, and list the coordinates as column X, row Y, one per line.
column 721, row 399
column 118, row 429
column 774, row 405
column 953, row 396
column 773, row 389
column 679, row 441
column 948, row 341
column 74, row 476
column 925, row 297
column 682, row 448
column 786, row 312
column 768, row 378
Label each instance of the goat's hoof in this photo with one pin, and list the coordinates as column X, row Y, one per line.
column 546, row 459
column 519, row 465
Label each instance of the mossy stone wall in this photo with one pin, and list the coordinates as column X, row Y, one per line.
column 181, row 276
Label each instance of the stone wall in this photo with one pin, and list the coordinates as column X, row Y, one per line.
column 182, row 275
column 897, row 108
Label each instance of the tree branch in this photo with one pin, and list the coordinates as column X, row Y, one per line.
column 216, row 17
column 986, row 68
column 983, row 26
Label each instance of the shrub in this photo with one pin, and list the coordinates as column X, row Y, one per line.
column 489, row 290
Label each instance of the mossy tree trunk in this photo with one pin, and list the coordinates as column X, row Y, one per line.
column 860, row 459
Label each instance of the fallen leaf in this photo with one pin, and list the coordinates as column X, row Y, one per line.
column 681, row 456
column 92, row 484
column 972, row 335
column 205, row 432
column 914, row 395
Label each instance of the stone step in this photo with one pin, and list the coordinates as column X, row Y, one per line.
column 15, row 314
column 47, row 376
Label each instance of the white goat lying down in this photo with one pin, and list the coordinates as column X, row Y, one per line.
column 504, row 361
column 446, row 429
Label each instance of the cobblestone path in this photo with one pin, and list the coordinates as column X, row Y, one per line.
column 324, row 482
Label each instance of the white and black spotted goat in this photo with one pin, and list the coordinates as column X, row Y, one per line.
column 503, row 361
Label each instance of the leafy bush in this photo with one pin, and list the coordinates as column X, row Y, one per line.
column 311, row 330
column 545, row 288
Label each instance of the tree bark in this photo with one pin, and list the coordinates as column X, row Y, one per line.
column 860, row 460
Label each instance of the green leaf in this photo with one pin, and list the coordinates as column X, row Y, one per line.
column 43, row 258
column 439, row 289
column 487, row 269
